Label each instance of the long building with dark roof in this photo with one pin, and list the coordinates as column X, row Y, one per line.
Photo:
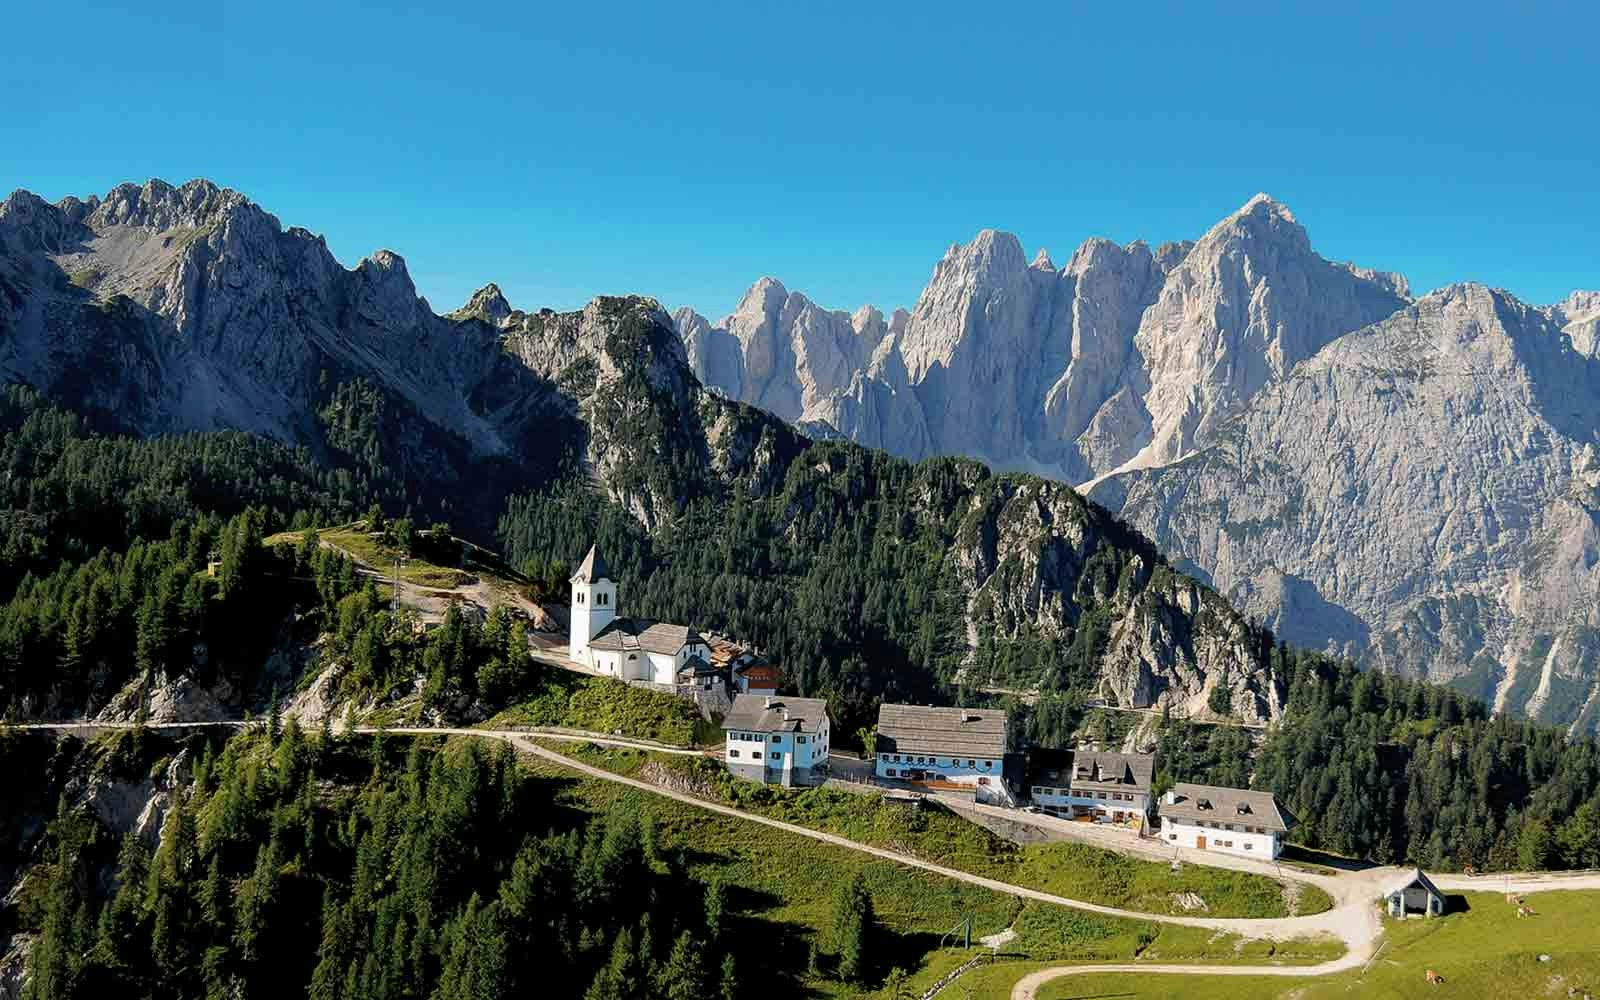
column 965, row 746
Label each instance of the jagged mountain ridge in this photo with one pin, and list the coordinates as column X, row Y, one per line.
column 1173, row 386
column 1124, row 357
column 217, row 317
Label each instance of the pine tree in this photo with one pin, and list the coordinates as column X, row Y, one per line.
column 684, row 975
column 853, row 928
column 729, row 982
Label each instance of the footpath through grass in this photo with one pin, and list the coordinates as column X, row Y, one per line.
column 1482, row 949
column 782, row 887
column 931, row 832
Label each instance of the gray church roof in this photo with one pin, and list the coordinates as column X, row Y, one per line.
column 630, row 634
column 592, row 568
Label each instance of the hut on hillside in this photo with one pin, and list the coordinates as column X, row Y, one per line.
column 1413, row 895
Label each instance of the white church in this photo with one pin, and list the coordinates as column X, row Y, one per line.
column 630, row 649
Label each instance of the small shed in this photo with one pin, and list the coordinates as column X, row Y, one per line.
column 1413, row 895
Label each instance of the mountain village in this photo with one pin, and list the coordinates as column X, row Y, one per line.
column 785, row 740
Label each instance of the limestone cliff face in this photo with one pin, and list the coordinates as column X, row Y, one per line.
column 1249, row 302
column 1037, row 560
column 163, row 308
column 1124, row 356
column 1423, row 493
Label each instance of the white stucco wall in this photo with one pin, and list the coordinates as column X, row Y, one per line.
column 1182, row 833
column 593, row 606
column 805, row 749
column 1062, row 798
column 954, row 769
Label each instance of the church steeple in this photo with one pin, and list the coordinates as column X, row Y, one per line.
column 592, row 568
column 594, row 604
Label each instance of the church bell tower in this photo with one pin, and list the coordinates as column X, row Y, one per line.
column 594, row 604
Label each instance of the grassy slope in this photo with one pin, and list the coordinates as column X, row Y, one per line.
column 782, row 885
column 1485, row 951
column 604, row 705
column 1078, row 871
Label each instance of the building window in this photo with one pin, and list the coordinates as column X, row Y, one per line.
column 972, row 763
column 1248, row 845
column 777, row 739
column 776, row 755
column 799, row 739
column 890, row 772
column 987, row 763
column 1037, row 790
column 1099, row 795
column 733, row 753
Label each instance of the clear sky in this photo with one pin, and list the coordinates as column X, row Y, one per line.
column 682, row 149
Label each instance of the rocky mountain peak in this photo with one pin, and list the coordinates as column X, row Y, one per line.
column 1261, row 220
column 1042, row 261
column 992, row 255
column 487, row 304
column 158, row 205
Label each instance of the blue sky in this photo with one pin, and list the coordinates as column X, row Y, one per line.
column 683, row 150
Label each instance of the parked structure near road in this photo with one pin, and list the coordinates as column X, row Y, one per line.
column 778, row 741
column 1092, row 783
column 630, row 649
column 1413, row 895
column 959, row 746
column 1235, row 820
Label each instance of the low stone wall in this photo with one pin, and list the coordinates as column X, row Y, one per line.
column 1014, row 830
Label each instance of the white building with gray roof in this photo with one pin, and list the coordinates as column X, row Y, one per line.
column 777, row 740
column 1097, row 783
column 961, row 746
column 1233, row 820
column 630, row 649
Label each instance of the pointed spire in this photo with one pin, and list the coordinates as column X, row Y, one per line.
column 592, row 568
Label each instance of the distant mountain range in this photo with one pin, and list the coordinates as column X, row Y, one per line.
column 1414, row 482
column 160, row 309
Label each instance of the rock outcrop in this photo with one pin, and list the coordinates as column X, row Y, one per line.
column 1125, row 356
column 1423, row 494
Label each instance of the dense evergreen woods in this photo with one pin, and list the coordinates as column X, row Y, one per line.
column 843, row 575
column 1401, row 771
column 66, row 491
column 295, row 864
column 399, row 870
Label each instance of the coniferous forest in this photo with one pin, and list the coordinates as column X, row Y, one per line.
column 290, row 861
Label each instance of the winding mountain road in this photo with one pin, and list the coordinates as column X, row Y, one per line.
column 1353, row 920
